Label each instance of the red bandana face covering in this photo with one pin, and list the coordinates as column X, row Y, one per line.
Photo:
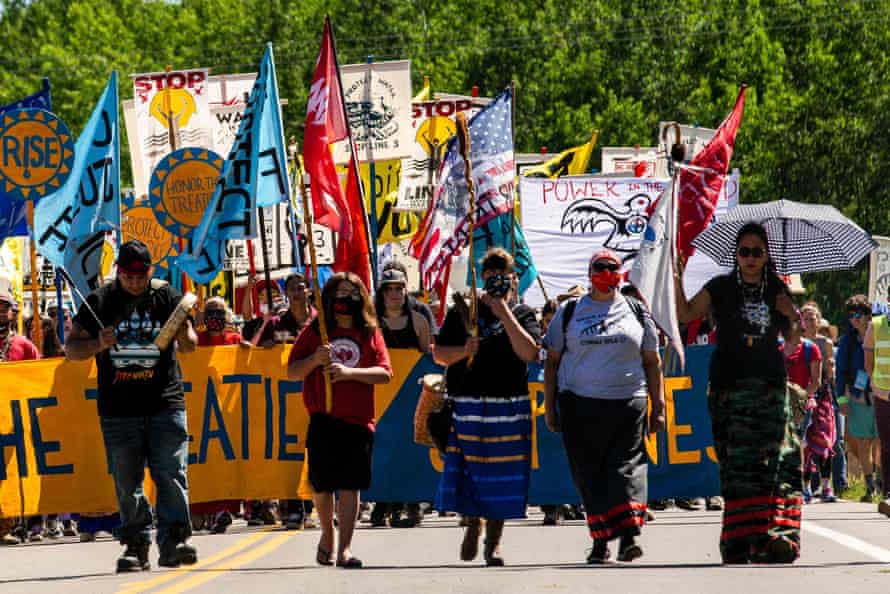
column 606, row 280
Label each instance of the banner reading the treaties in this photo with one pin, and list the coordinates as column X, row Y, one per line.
column 247, row 429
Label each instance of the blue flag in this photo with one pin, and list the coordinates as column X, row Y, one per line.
column 70, row 224
column 253, row 175
column 13, row 213
column 496, row 233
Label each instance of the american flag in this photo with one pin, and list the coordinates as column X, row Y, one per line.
column 445, row 227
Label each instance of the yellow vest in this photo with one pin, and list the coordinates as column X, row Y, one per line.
column 881, row 376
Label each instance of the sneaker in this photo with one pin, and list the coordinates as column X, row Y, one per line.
column 629, row 550
column 661, row 504
column 222, row 521
column 551, row 517
column 87, row 537
column 134, row 558
column 309, row 523
column 294, row 521
column 650, row 515
column 174, row 554
column 884, row 507
column 269, row 514
column 714, row 503
column 600, row 553
column 807, row 495
column 69, row 528
column 828, row 495
column 53, row 530
column 35, row 537
column 9, row 540
column 691, row 504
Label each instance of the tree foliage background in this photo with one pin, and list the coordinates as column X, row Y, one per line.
column 816, row 117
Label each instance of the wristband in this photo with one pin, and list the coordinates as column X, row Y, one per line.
column 843, row 400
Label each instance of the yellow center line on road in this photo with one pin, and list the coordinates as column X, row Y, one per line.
column 196, row 580
column 142, row 586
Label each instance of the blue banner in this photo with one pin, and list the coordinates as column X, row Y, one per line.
column 253, row 175
column 14, row 213
column 70, row 224
column 682, row 462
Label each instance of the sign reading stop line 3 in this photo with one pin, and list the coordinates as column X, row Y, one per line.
column 36, row 154
column 181, row 187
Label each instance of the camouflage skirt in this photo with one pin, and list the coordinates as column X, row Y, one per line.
column 760, row 472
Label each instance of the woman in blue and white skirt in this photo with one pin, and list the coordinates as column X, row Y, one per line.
column 486, row 472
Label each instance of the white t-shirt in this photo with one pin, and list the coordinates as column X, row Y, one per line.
column 605, row 340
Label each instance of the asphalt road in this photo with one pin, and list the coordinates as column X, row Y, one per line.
column 846, row 548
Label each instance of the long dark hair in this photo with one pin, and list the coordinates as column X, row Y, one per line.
column 364, row 319
column 52, row 346
column 380, row 306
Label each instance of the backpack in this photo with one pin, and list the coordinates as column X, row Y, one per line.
column 822, row 431
column 635, row 305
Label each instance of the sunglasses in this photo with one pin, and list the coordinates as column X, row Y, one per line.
column 603, row 266
column 746, row 252
column 856, row 315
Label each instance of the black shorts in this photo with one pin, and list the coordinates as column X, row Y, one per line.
column 339, row 454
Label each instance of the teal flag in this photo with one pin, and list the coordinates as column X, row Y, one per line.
column 496, row 233
column 253, row 175
column 70, row 224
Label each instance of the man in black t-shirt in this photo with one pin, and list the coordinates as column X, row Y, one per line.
column 141, row 404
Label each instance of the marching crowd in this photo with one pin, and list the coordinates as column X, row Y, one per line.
column 788, row 403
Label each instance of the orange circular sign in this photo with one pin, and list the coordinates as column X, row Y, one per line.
column 181, row 188
column 36, row 154
column 140, row 223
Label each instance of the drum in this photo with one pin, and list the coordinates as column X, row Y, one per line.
column 171, row 327
column 432, row 397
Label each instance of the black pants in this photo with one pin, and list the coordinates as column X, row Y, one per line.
column 604, row 445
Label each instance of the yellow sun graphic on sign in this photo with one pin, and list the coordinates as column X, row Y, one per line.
column 174, row 106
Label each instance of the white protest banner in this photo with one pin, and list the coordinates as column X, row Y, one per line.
column 378, row 106
column 567, row 219
column 227, row 95
column 174, row 101
column 692, row 137
column 433, row 124
column 229, row 89
column 879, row 270
column 626, row 159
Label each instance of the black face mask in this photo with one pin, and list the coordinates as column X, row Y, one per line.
column 215, row 319
column 347, row 306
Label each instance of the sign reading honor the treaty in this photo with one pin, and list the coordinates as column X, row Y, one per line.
column 181, row 187
column 247, row 430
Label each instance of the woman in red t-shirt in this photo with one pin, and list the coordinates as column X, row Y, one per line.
column 216, row 516
column 340, row 439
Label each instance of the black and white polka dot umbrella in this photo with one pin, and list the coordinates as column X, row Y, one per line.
column 802, row 237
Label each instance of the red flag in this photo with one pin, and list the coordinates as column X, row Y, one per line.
column 701, row 183
column 325, row 124
column 353, row 254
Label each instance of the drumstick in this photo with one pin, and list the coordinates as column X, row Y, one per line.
column 83, row 300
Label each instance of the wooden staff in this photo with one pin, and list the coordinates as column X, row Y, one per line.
column 36, row 323
column 313, row 263
column 463, row 137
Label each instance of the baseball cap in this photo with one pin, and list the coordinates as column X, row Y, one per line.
column 604, row 254
column 134, row 257
column 393, row 276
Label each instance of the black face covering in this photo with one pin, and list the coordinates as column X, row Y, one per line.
column 215, row 319
column 347, row 306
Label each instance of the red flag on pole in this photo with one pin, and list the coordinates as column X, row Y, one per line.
column 325, row 124
column 701, row 182
column 353, row 253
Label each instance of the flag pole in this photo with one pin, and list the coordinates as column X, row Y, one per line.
column 293, row 149
column 36, row 325
column 516, row 188
column 372, row 241
column 463, row 136
column 372, row 171
column 316, row 290
column 266, row 272
column 60, row 317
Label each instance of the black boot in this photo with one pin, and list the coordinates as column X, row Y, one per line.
column 134, row 558
column 174, row 554
column 628, row 549
column 493, row 531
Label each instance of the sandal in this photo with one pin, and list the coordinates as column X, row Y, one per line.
column 323, row 557
column 351, row 563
